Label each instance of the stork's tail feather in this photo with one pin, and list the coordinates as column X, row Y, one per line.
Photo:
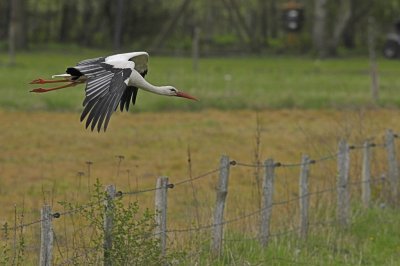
column 66, row 76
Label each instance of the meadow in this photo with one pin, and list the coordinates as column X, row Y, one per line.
column 229, row 83
column 250, row 109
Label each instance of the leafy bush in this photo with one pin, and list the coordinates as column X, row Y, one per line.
column 133, row 239
column 12, row 251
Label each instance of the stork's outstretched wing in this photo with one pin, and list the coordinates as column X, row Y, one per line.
column 106, row 85
column 140, row 59
column 107, row 80
column 130, row 93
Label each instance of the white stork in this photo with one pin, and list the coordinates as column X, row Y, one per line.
column 110, row 81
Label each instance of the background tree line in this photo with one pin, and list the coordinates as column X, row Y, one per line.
column 225, row 26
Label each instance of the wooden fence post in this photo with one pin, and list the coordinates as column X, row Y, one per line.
column 46, row 236
column 108, row 224
column 222, row 192
column 393, row 171
column 304, row 197
column 343, row 197
column 161, row 212
column 267, row 201
column 366, row 175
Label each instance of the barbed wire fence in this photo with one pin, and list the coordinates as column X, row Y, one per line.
column 264, row 213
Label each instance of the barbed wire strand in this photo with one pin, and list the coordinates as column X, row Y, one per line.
column 311, row 161
column 53, row 215
column 283, row 232
column 203, row 227
column 201, row 176
column 331, row 189
column 80, row 208
column 233, row 163
column 232, row 220
column 176, row 183
column 24, row 225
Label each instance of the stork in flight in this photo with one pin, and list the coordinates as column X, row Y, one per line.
column 110, row 81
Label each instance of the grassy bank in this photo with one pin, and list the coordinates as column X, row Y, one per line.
column 370, row 240
column 222, row 83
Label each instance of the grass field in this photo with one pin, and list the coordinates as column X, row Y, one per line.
column 232, row 83
column 42, row 153
column 304, row 106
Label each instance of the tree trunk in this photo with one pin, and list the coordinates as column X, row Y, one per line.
column 263, row 15
column 170, row 26
column 86, row 33
column 348, row 37
column 118, row 25
column 319, row 28
column 22, row 42
column 47, row 19
column 209, row 22
column 4, row 19
column 240, row 34
column 251, row 35
column 273, row 19
column 67, row 10
column 16, row 31
column 12, row 31
column 342, row 20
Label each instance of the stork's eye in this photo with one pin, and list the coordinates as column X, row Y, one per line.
column 173, row 90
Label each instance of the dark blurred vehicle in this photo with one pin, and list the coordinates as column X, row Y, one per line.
column 391, row 49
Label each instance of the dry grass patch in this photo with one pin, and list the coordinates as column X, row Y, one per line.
column 43, row 152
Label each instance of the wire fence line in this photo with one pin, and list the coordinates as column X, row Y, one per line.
column 341, row 189
column 221, row 169
column 200, row 176
column 258, row 211
column 281, row 232
column 120, row 193
column 172, row 185
column 54, row 215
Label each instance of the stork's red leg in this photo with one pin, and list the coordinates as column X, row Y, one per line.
column 43, row 81
column 40, row 90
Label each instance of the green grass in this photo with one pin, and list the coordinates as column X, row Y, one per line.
column 372, row 239
column 222, row 83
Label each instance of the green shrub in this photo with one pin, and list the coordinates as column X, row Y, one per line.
column 133, row 239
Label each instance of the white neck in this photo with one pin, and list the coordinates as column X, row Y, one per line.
column 138, row 81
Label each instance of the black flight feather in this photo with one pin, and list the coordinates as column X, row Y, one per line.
column 106, row 88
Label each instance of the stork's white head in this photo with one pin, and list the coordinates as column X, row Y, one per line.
column 172, row 91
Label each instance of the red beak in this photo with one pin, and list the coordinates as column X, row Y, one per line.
column 185, row 95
